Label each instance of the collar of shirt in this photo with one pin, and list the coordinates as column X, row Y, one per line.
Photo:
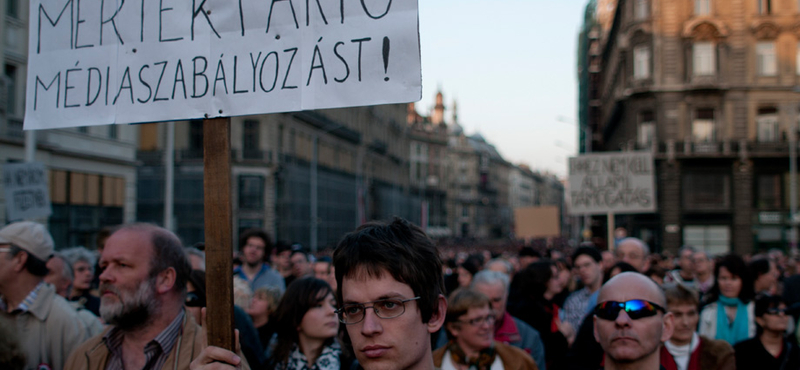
column 26, row 303
column 507, row 331
column 154, row 350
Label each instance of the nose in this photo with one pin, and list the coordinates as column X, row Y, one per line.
column 623, row 320
column 371, row 325
column 106, row 275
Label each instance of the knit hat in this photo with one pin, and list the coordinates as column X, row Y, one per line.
column 30, row 236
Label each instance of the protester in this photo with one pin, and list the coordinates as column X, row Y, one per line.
column 685, row 349
column 770, row 349
column 765, row 276
column 281, row 261
column 633, row 251
column 82, row 262
column 508, row 329
column 51, row 328
column 531, row 301
column 307, row 325
column 580, row 303
column 729, row 315
column 630, row 322
column 528, row 255
column 657, row 274
column 250, row 343
column 143, row 290
column 256, row 247
column 685, row 274
column 704, row 273
column 60, row 274
column 470, row 324
column 466, row 270
column 323, row 269
column 301, row 266
column 608, row 261
column 390, row 297
column 501, row 265
column 197, row 258
column 262, row 306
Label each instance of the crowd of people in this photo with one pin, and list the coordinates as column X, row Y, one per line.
column 387, row 298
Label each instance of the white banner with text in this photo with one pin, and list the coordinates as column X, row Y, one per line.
column 612, row 183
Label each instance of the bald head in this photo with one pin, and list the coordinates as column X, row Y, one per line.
column 632, row 285
column 633, row 251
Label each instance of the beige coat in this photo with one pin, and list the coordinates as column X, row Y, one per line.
column 49, row 331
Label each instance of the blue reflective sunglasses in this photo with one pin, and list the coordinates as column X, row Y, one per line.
column 635, row 308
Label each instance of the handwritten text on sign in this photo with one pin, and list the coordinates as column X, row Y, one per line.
column 26, row 191
column 124, row 61
column 612, row 183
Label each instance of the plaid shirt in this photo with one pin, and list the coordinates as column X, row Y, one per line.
column 156, row 352
column 576, row 307
column 26, row 303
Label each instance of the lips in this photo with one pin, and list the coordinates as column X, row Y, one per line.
column 374, row 351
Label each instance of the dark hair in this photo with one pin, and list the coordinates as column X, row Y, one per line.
column 33, row 264
column 529, row 252
column 736, row 266
column 681, row 294
column 301, row 295
column 257, row 233
column 198, row 280
column 532, row 280
column 589, row 251
column 758, row 267
column 167, row 252
column 471, row 264
column 763, row 302
column 305, row 255
column 399, row 248
column 656, row 271
column 622, row 266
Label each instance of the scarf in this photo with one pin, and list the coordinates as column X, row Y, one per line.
column 736, row 331
column 327, row 360
column 482, row 362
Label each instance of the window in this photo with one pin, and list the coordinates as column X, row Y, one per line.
column 647, row 129
column 251, row 192
column 12, row 8
column 766, row 62
column 641, row 62
column 641, row 9
column 112, row 132
column 768, row 191
column 706, row 191
column 703, row 126
column 764, row 6
column 711, row 239
column 11, row 88
column 196, row 135
column 705, row 61
column 767, row 122
column 702, row 7
column 250, row 136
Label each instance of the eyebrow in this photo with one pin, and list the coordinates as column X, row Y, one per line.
column 392, row 295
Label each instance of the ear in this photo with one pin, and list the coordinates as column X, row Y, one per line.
column 760, row 321
column 19, row 261
column 437, row 318
column 594, row 326
column 454, row 329
column 166, row 280
column 668, row 327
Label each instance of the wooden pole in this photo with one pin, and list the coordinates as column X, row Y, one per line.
column 218, row 216
column 611, row 228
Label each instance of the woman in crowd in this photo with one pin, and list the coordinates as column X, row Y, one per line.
column 262, row 306
column 765, row 275
column 533, row 290
column 467, row 269
column 82, row 262
column 770, row 349
column 470, row 328
column 730, row 314
column 307, row 327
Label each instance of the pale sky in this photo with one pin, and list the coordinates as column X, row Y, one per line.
column 511, row 67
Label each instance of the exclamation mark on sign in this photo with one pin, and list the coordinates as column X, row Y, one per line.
column 385, row 57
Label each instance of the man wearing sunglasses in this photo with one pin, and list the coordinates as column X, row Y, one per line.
column 630, row 322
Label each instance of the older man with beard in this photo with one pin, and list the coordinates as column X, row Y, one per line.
column 143, row 288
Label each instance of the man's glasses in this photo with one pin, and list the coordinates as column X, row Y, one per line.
column 353, row 313
column 194, row 300
column 635, row 308
column 488, row 319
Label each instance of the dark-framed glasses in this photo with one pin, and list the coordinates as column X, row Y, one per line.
column 353, row 313
column 635, row 308
column 478, row 321
column 776, row 311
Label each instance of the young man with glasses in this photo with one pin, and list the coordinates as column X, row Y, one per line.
column 630, row 322
column 770, row 349
column 470, row 328
column 391, row 294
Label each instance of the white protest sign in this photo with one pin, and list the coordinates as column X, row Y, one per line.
column 612, row 183
column 126, row 61
column 25, row 185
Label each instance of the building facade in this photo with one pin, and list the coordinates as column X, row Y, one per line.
column 91, row 170
column 710, row 87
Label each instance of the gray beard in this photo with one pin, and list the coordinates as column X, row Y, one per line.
column 132, row 312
